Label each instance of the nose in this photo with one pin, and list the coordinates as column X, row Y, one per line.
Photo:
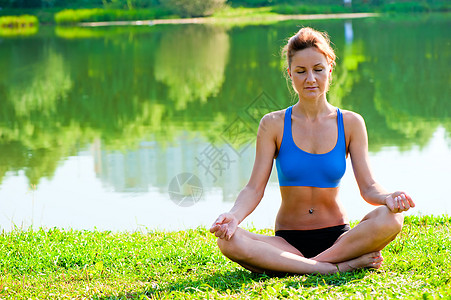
column 310, row 77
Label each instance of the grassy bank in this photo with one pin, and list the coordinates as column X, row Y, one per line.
column 187, row 264
column 70, row 16
column 65, row 16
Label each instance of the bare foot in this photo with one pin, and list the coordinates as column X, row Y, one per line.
column 370, row 260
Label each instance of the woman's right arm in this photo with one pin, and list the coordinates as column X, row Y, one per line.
column 251, row 195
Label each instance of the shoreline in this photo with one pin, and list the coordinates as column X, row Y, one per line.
column 212, row 20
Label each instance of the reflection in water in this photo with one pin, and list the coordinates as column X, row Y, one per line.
column 152, row 167
column 39, row 88
column 153, row 99
column 349, row 33
column 191, row 61
column 32, row 90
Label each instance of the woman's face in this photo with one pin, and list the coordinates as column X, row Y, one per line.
column 310, row 73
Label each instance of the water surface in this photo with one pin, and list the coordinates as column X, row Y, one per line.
column 95, row 123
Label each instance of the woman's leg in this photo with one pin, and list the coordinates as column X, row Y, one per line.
column 260, row 253
column 376, row 230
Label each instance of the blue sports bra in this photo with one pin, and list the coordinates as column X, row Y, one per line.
column 295, row 167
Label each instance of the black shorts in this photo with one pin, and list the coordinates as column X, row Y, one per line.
column 312, row 242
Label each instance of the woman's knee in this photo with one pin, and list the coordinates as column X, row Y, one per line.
column 390, row 221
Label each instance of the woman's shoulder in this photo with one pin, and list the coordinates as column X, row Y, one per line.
column 352, row 118
column 273, row 118
column 352, row 121
column 273, row 121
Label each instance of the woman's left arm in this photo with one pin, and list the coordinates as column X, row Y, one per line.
column 371, row 191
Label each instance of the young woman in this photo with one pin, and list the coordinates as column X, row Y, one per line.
column 310, row 142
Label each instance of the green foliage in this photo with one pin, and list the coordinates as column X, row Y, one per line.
column 18, row 21
column 18, row 25
column 193, row 8
column 311, row 9
column 73, row 16
column 58, row 263
column 130, row 4
column 48, row 3
column 407, row 7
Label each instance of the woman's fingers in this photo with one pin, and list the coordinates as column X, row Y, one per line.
column 223, row 231
column 220, row 219
column 411, row 203
column 218, row 231
column 396, row 204
column 403, row 202
column 224, row 226
column 215, row 228
column 217, row 223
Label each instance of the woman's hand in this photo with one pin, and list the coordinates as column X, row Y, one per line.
column 225, row 225
column 398, row 202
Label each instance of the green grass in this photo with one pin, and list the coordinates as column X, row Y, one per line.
column 311, row 9
column 244, row 12
column 68, row 264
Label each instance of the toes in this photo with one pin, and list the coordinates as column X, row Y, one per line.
column 376, row 254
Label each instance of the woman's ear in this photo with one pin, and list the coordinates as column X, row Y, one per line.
column 289, row 72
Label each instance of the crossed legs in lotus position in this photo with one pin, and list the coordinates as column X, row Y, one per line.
column 358, row 248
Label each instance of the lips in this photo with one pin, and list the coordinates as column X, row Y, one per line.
column 311, row 87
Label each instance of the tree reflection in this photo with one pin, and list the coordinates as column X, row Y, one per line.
column 191, row 61
column 29, row 137
column 401, row 89
column 160, row 84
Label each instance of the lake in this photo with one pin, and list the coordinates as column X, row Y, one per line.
column 154, row 127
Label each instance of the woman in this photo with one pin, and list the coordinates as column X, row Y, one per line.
column 310, row 142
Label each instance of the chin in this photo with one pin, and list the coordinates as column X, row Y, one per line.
column 312, row 95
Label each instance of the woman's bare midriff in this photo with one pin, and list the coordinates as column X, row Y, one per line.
column 308, row 208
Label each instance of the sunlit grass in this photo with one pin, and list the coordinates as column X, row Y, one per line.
column 187, row 264
column 234, row 12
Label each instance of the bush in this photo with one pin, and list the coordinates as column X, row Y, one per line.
column 193, row 8
column 73, row 16
column 18, row 21
column 18, row 25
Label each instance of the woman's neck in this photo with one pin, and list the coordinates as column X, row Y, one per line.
column 312, row 109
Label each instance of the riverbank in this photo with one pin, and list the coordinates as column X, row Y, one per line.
column 234, row 21
column 72, row 16
column 187, row 264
